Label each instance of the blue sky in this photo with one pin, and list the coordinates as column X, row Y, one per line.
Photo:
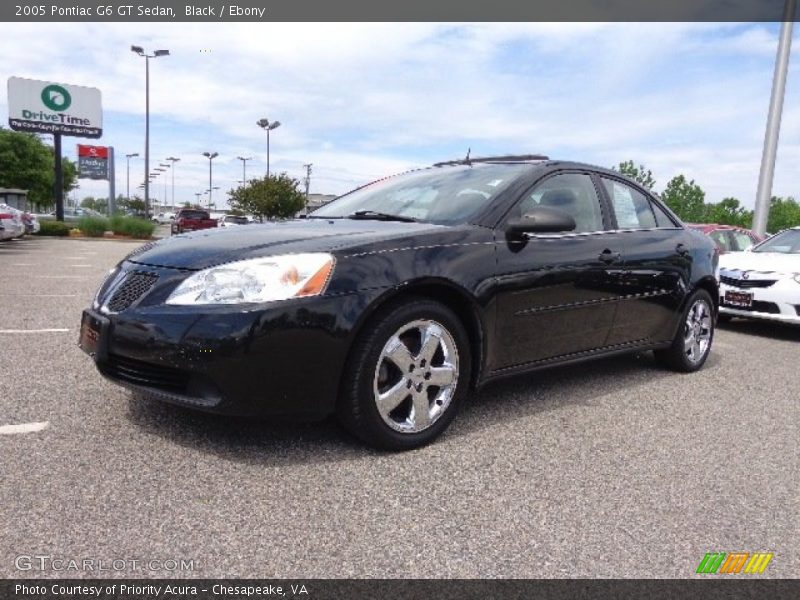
column 360, row 101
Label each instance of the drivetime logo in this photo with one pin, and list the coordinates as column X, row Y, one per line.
column 734, row 562
column 57, row 99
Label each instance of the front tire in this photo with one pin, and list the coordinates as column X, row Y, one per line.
column 407, row 375
column 692, row 343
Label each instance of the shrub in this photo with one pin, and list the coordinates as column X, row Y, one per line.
column 57, row 228
column 138, row 228
column 117, row 224
column 93, row 226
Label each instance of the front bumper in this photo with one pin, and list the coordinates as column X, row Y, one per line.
column 778, row 302
column 280, row 358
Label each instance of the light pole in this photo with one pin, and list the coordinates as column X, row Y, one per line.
column 173, row 160
column 165, row 167
column 210, row 156
column 765, row 176
column 128, row 158
column 266, row 125
column 216, row 187
column 244, row 160
column 197, row 198
column 140, row 51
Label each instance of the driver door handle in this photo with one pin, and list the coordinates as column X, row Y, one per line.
column 682, row 249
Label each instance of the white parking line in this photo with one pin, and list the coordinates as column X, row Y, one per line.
column 51, row 330
column 23, row 428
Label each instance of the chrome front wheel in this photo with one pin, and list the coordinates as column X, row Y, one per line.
column 697, row 331
column 416, row 376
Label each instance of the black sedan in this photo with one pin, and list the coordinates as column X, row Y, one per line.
column 388, row 305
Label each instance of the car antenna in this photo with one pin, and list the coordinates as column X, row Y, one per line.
column 466, row 160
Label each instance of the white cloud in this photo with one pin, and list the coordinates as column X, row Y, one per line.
column 361, row 100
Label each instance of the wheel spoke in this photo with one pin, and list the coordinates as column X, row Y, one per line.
column 442, row 376
column 421, row 417
column 431, row 339
column 398, row 353
column 391, row 398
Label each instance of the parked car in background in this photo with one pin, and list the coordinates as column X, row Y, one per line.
column 31, row 223
column 389, row 304
column 763, row 282
column 163, row 217
column 728, row 238
column 11, row 219
column 192, row 219
column 72, row 214
column 232, row 220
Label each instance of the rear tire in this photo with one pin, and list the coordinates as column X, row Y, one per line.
column 692, row 343
column 407, row 374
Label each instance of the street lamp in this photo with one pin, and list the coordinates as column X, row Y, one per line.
column 140, row 51
column 210, row 156
column 128, row 158
column 197, row 198
column 244, row 160
column 266, row 125
column 173, row 160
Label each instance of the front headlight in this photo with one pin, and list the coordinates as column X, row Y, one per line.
column 257, row 280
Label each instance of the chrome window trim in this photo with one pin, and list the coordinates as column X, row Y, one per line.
column 570, row 234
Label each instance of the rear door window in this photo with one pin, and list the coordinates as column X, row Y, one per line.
column 632, row 208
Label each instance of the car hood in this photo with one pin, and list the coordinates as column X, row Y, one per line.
column 775, row 262
column 210, row 247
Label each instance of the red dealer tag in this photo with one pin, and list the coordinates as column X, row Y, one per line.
column 93, row 151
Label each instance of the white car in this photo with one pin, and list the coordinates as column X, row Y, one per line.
column 11, row 224
column 163, row 217
column 762, row 282
column 231, row 221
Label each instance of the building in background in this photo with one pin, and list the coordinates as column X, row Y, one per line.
column 16, row 198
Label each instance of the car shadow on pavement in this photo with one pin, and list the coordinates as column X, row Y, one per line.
column 271, row 443
column 769, row 329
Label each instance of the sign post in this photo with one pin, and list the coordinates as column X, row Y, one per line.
column 58, row 108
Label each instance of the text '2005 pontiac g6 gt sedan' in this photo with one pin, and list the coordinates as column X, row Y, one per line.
column 389, row 304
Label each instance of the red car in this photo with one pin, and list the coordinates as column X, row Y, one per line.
column 192, row 219
column 728, row 238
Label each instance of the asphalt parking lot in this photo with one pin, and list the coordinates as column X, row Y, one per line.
column 612, row 469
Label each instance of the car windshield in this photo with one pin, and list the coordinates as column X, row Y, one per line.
column 786, row 242
column 194, row 214
column 237, row 220
column 442, row 195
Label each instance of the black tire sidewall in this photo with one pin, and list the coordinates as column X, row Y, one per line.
column 361, row 414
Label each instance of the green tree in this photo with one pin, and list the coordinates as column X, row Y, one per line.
column 728, row 212
column 783, row 213
column 29, row 164
column 640, row 174
column 135, row 204
column 686, row 199
column 270, row 197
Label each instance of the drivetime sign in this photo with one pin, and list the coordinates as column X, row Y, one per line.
column 47, row 107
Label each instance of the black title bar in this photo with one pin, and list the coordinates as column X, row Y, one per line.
column 407, row 10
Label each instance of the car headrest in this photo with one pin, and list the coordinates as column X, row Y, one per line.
column 558, row 198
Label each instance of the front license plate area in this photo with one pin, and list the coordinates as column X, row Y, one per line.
column 743, row 299
column 93, row 336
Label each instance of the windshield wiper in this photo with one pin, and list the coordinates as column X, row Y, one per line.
column 380, row 216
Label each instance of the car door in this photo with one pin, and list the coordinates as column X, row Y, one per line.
column 556, row 292
column 657, row 265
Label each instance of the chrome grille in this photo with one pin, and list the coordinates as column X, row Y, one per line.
column 135, row 285
column 746, row 284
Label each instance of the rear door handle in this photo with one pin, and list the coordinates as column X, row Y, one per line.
column 682, row 249
column 608, row 257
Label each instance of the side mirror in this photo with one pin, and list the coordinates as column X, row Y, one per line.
column 541, row 219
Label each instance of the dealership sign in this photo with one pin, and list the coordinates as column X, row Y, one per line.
column 47, row 107
column 92, row 162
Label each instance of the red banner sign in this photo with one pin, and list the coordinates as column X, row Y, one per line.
column 92, row 151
